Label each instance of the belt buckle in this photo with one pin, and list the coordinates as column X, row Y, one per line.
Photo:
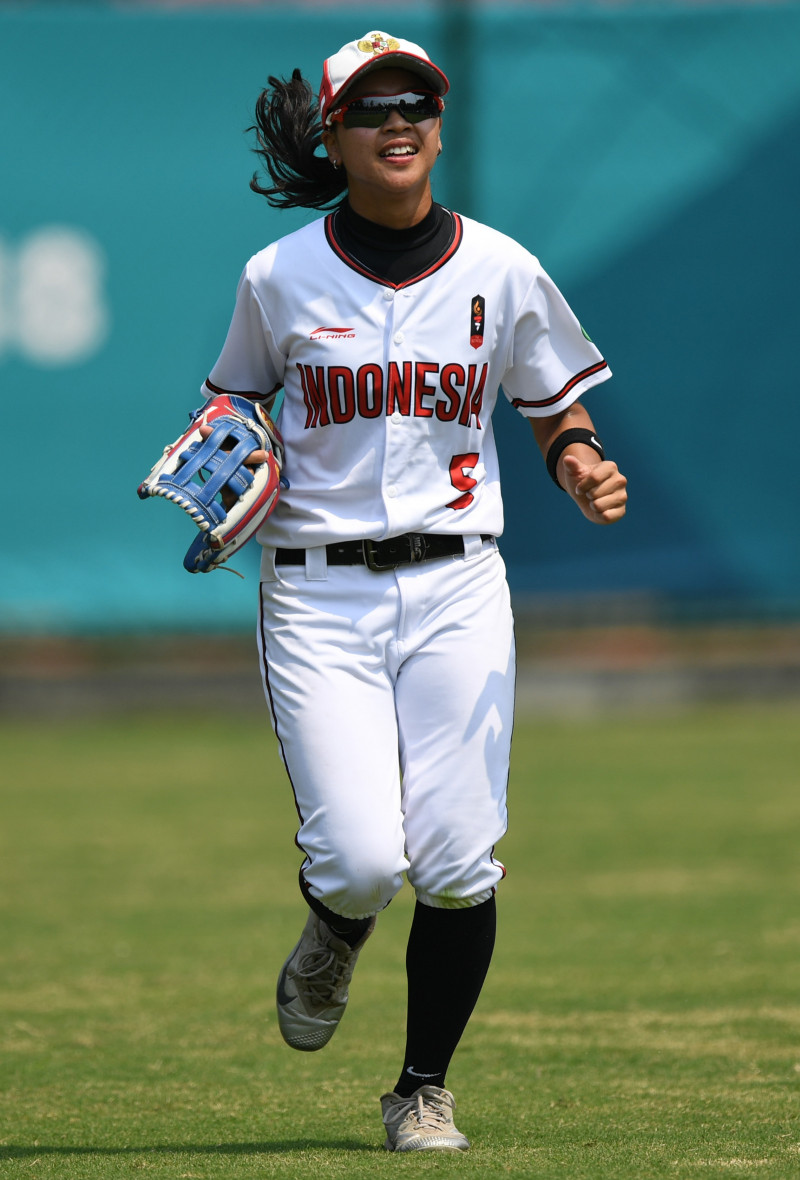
column 372, row 552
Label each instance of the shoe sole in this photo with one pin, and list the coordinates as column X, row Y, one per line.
column 450, row 1147
column 307, row 1040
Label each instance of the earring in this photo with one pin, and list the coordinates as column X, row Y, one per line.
column 335, row 163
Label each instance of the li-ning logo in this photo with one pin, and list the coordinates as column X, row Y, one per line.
column 333, row 334
column 376, row 43
column 477, row 320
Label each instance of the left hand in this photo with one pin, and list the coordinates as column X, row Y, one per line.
column 254, row 460
column 599, row 489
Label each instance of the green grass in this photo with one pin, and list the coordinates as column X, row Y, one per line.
column 642, row 1016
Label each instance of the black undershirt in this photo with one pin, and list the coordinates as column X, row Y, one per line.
column 395, row 255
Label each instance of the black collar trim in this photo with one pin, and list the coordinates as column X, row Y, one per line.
column 338, row 248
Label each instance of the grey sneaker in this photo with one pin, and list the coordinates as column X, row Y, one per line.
column 313, row 983
column 423, row 1122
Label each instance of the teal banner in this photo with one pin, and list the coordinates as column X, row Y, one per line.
column 650, row 158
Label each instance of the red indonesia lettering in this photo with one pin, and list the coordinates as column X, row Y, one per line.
column 398, row 392
column 422, row 390
column 341, row 388
column 473, row 401
column 452, row 375
column 337, row 394
column 369, row 391
column 314, row 396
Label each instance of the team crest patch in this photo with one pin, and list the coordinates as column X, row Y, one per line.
column 376, row 43
column 477, row 320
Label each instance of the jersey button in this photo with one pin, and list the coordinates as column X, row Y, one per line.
column 398, row 337
column 388, row 293
column 391, row 491
column 397, row 417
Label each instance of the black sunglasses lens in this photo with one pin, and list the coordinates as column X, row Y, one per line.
column 375, row 117
column 373, row 112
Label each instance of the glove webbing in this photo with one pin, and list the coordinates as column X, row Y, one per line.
column 226, row 467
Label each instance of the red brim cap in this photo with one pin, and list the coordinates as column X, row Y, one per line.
column 374, row 51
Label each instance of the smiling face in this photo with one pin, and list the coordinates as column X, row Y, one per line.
column 388, row 168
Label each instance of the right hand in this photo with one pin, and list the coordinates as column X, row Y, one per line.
column 599, row 489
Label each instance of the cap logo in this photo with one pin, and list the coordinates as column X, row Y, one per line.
column 377, row 43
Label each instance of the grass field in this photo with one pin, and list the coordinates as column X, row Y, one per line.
column 642, row 1016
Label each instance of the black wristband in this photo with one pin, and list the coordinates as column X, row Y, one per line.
column 559, row 444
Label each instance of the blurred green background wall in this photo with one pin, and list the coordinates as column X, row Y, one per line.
column 649, row 156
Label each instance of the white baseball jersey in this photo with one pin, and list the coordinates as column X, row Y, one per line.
column 389, row 390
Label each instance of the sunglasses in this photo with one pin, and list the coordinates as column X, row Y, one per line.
column 372, row 110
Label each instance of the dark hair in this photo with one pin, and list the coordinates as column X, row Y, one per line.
column 289, row 131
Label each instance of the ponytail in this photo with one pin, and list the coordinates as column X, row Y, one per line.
column 289, row 131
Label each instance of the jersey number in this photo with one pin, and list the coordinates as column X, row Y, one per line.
column 459, row 466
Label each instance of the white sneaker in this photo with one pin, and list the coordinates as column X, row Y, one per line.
column 313, row 985
column 423, row 1122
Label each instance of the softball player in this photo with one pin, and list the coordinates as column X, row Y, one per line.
column 385, row 635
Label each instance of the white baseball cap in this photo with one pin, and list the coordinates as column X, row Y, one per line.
column 374, row 51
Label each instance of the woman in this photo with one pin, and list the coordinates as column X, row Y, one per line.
column 386, row 634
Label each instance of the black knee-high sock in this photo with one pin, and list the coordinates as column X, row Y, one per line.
column 350, row 930
column 448, row 955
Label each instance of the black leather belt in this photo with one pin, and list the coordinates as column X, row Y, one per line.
column 406, row 549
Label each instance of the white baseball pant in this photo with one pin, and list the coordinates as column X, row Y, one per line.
column 392, row 696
